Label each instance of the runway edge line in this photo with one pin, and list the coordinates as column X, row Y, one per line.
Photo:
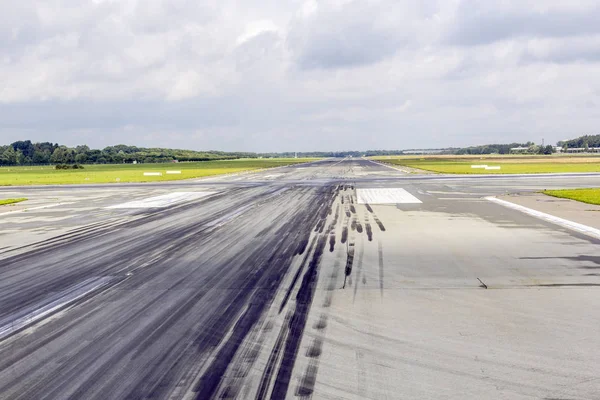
column 565, row 223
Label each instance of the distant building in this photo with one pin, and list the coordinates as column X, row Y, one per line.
column 519, row 150
column 424, row 151
column 583, row 150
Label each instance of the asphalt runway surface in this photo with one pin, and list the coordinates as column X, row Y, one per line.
column 279, row 284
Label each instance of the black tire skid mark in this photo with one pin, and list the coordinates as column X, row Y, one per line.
column 208, row 384
column 217, row 332
column 297, row 324
column 97, row 265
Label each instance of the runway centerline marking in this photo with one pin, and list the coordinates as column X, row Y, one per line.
column 385, row 196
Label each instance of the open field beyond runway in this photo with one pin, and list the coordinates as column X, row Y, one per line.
column 113, row 173
column 336, row 279
column 513, row 164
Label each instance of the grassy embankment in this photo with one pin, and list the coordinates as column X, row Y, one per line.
column 48, row 175
column 508, row 164
column 590, row 196
column 4, row 202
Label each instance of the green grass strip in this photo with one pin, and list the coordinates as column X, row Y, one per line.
column 11, row 201
column 590, row 196
column 460, row 166
column 115, row 173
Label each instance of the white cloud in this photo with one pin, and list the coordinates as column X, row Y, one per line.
column 255, row 28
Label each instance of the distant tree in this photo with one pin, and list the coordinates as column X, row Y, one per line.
column 26, row 147
column 9, row 156
column 81, row 158
column 60, row 156
column 548, row 149
column 82, row 149
column 41, row 156
column 19, row 157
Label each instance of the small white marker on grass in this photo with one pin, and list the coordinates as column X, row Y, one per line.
column 479, row 166
column 492, row 168
column 173, row 172
column 152, row 173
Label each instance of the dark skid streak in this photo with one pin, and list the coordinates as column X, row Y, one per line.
column 191, row 283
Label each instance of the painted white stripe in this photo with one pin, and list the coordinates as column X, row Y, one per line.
column 164, row 200
column 35, row 208
column 489, row 168
column 385, row 196
column 478, row 166
column 152, row 173
column 13, row 324
column 173, row 172
column 565, row 223
column 397, row 169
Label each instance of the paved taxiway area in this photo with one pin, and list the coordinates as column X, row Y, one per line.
column 280, row 284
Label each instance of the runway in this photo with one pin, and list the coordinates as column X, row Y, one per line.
column 282, row 284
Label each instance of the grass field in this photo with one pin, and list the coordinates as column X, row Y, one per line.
column 47, row 175
column 590, row 196
column 507, row 164
column 4, row 202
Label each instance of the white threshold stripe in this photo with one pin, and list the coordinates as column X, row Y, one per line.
column 62, row 299
column 385, row 196
column 164, row 200
column 565, row 223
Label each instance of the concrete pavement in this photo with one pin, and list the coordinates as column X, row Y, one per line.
column 279, row 284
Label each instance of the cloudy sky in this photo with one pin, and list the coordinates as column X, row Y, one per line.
column 275, row 75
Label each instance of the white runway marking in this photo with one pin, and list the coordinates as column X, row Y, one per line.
column 385, row 196
column 565, row 223
column 165, row 200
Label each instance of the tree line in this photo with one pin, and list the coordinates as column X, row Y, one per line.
column 582, row 142
column 26, row 153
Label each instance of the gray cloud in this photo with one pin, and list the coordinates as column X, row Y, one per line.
column 346, row 36
column 563, row 50
column 298, row 74
column 482, row 22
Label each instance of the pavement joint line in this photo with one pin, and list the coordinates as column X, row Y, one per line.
column 565, row 223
